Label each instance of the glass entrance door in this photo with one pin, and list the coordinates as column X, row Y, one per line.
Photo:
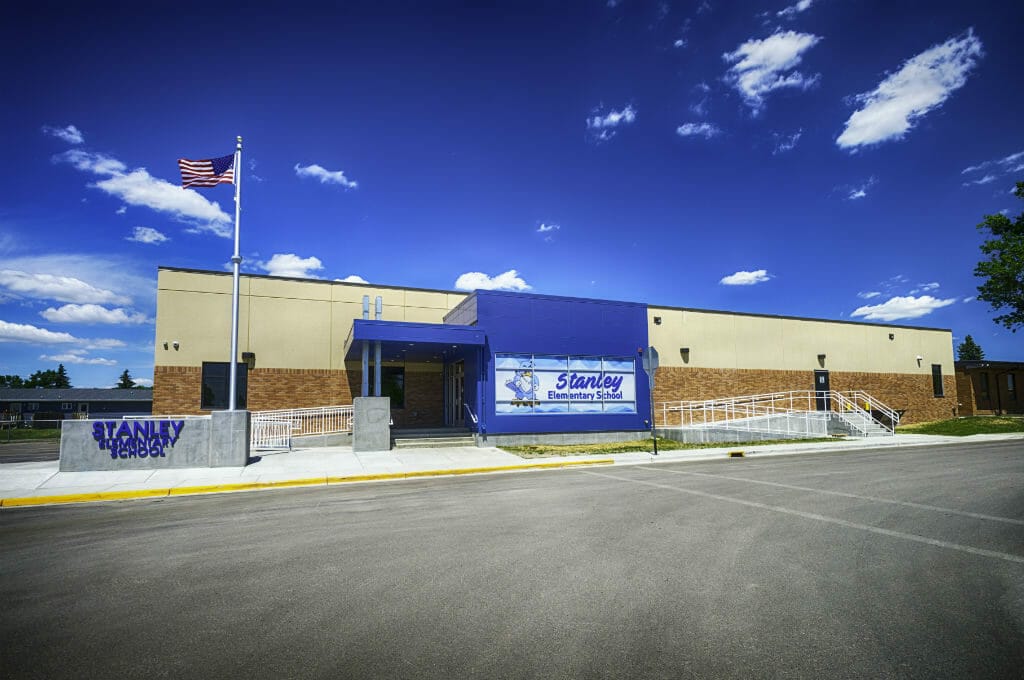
column 454, row 394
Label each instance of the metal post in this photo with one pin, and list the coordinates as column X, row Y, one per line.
column 376, row 369
column 365, row 392
column 236, row 260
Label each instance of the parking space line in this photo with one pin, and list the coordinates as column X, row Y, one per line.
column 822, row 518
column 874, row 499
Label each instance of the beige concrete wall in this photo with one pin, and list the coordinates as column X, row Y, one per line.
column 738, row 341
column 287, row 323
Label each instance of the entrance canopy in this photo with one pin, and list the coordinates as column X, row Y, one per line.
column 402, row 340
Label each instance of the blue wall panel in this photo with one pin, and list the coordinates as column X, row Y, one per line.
column 518, row 323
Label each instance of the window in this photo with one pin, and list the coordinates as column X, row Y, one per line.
column 216, row 381
column 392, row 384
column 83, row 407
column 983, row 386
column 937, row 380
column 1011, row 387
column 65, row 406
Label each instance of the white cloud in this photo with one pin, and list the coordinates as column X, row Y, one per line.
column 122, row 210
column 602, row 126
column 69, row 134
column 147, row 235
column 968, row 299
column 763, row 66
column 353, row 278
column 143, row 382
column 923, row 83
column 705, row 130
column 21, row 332
column 52, row 287
column 784, row 143
column 325, row 176
column 857, row 192
column 510, row 280
column 545, row 228
column 925, row 287
column 984, row 180
column 92, row 314
column 679, row 43
column 791, row 11
column 75, row 357
column 742, row 278
column 114, row 276
column 288, row 264
column 895, row 308
column 138, row 187
column 1009, row 163
column 867, row 295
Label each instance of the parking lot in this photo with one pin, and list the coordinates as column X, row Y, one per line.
column 894, row 563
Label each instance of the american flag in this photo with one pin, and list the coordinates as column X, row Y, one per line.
column 207, row 173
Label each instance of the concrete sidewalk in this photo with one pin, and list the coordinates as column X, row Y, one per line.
column 41, row 483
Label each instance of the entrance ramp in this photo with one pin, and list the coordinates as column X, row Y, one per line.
column 778, row 415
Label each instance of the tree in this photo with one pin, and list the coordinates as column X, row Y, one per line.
column 49, row 379
column 62, row 378
column 968, row 350
column 13, row 381
column 126, row 382
column 1004, row 268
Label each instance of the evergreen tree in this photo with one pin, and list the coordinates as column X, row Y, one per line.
column 968, row 350
column 126, row 382
column 12, row 381
column 62, row 378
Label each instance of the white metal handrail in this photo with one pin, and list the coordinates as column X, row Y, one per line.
column 275, row 429
column 751, row 412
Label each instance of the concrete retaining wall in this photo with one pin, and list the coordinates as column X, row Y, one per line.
column 560, row 438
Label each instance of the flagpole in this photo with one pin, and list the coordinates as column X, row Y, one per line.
column 236, row 260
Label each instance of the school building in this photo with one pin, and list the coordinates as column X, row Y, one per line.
column 501, row 363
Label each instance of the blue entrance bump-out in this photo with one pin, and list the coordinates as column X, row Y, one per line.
column 556, row 364
column 531, row 363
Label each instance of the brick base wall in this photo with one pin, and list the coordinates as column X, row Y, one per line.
column 176, row 390
column 907, row 392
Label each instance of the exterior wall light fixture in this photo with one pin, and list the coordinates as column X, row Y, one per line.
column 250, row 359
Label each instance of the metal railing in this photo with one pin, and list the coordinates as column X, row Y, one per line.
column 789, row 413
column 275, row 429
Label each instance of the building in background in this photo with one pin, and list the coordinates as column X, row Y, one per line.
column 41, row 404
column 989, row 387
column 515, row 363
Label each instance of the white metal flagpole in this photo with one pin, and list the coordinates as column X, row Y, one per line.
column 236, row 260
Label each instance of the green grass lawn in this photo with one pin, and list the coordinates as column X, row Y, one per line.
column 26, row 433
column 961, row 427
column 641, row 445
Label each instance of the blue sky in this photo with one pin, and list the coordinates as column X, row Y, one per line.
column 824, row 158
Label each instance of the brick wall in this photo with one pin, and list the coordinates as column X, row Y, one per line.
column 176, row 390
column 965, row 393
column 907, row 392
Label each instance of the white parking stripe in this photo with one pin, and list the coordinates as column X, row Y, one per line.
column 875, row 499
column 822, row 518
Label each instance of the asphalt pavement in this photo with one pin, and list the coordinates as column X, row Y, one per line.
column 900, row 562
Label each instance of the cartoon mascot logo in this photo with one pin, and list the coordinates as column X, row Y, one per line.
column 524, row 385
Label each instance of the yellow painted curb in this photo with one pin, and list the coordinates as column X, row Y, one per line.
column 467, row 471
column 252, row 486
column 83, row 497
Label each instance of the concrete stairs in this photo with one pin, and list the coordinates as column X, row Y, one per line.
column 433, row 438
column 858, row 423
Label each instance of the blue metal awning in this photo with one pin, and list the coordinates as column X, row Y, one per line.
column 403, row 340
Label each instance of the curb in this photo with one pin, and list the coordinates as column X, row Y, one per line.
column 27, row 501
